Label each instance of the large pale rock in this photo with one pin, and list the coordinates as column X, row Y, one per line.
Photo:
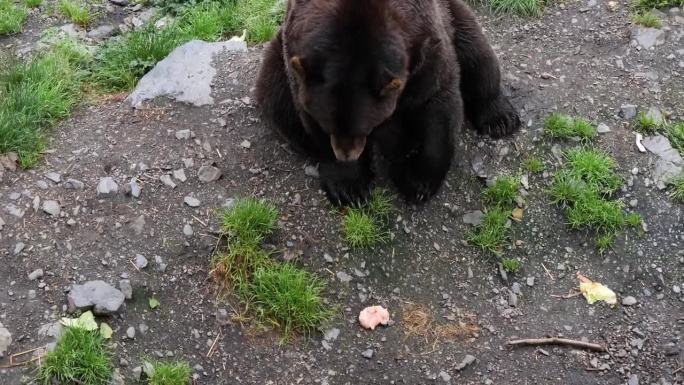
column 97, row 295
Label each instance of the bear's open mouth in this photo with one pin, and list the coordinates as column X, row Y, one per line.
column 347, row 148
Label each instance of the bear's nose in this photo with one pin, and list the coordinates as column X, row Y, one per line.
column 347, row 148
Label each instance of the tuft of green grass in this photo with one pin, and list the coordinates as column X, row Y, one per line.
column 78, row 13
column 80, row 357
column 288, row 297
column 36, row 95
column 511, row 265
column 380, row 204
column 362, row 229
column 563, row 126
column 647, row 123
column 657, row 4
column 236, row 265
column 677, row 191
column 249, row 220
column 169, row 373
column 533, row 164
column 596, row 168
column 12, row 17
column 646, row 19
column 518, row 7
column 491, row 235
column 33, row 3
column 260, row 18
column 503, row 192
column 605, row 241
column 592, row 211
column 675, row 133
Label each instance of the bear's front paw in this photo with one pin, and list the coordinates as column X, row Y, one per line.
column 346, row 184
column 497, row 118
column 417, row 189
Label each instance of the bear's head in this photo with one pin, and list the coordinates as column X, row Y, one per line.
column 349, row 64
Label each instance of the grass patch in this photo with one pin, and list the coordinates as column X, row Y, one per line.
column 492, row 234
column 533, row 165
column 677, row 191
column 364, row 226
column 250, row 220
column 518, row 7
column 647, row 123
column 168, row 373
column 288, row 297
column 511, row 265
column 33, row 3
column 646, row 19
column 563, row 126
column 12, row 17
column 594, row 167
column 657, row 4
column 503, row 192
column 675, row 133
column 80, row 357
column 35, row 95
column 77, row 12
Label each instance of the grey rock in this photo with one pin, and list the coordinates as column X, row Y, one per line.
column 126, row 288
column 530, row 281
column 671, row 349
column 5, row 340
column 166, row 179
column 655, row 115
column 18, row 248
column 41, row 184
column 208, row 174
column 52, row 207
column 331, row 334
column 73, row 184
column 183, row 134
column 51, row 330
column 661, row 146
column 35, row 274
column 191, row 201
column 185, row 75
column 103, row 32
column 31, row 294
column 138, row 225
column 602, row 128
column 54, row 176
column 628, row 111
column 444, row 376
column 140, row 261
column 515, row 288
column 159, row 264
column 134, row 188
column 473, row 217
column 222, row 316
column 180, row 175
column 512, row 299
column 107, row 186
column 72, row 30
column 187, row 230
column 143, row 328
column 136, row 373
column 15, row 211
column 130, row 332
column 103, row 298
column 648, row 37
column 343, row 277
column 633, row 380
column 367, row 354
column 311, row 171
column 121, row 3
column 629, row 301
column 467, row 361
column 2, row 223
column 117, row 378
column 676, row 289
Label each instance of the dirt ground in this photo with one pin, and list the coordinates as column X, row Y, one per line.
column 578, row 59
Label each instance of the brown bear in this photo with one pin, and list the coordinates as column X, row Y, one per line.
column 343, row 79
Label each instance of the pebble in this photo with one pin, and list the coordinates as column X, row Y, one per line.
column 191, row 201
column 208, row 174
column 160, row 266
column 628, row 111
column 187, row 230
column 516, row 288
column 103, row 298
column 41, row 184
column 183, row 134
column 603, row 128
column 35, row 274
column 5, row 340
column 143, row 328
column 367, row 354
column 166, row 179
column 54, row 176
column 180, row 175
column 135, row 188
column 467, row 360
column 73, row 184
column 633, row 380
column 52, row 207
column 19, row 247
column 530, row 281
column 311, row 171
column 629, row 301
column 31, row 294
column 343, row 277
column 246, row 144
column 331, row 334
column 130, row 332
column 126, row 288
column 137, row 373
column 140, row 261
column 473, row 218
column 676, row 289
column 138, row 224
column 444, row 376
column 512, row 299
column 107, row 186
column 222, row 316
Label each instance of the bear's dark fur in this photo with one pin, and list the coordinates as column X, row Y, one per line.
column 344, row 78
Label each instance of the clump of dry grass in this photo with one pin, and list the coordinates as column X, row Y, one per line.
column 419, row 322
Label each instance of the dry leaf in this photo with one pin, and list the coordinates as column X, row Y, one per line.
column 105, row 331
column 85, row 321
column 594, row 291
column 517, row 214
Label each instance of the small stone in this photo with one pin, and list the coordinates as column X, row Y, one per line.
column 138, row 225
column 126, row 288
column 103, row 298
column 467, row 360
column 676, row 289
column 530, row 281
column 52, row 207
column 343, row 277
column 648, row 37
column 367, row 354
column 191, row 201
column 121, row 3
column 331, row 334
column 187, row 230
column 311, row 171
column 73, row 184
column 54, row 176
column 35, row 274
column 633, row 380
column 19, row 247
column 137, row 373
column 180, row 175
column 222, row 316
column 166, row 179
column 107, row 186
column 628, row 111
column 104, row 31
column 208, row 174
column 473, row 218
column 183, row 134
column 5, row 340
column 444, row 376
column 143, row 329
column 32, row 294
column 246, row 144
column 140, row 261
column 159, row 264
column 515, row 288
column 41, row 184
column 135, row 188
column 629, row 301
column 130, row 332
column 512, row 299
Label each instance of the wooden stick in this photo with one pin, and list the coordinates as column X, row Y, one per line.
column 548, row 272
column 556, row 341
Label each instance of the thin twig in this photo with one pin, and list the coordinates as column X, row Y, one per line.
column 548, row 272
column 678, row 370
column 198, row 220
column 211, row 349
column 556, row 341
column 566, row 296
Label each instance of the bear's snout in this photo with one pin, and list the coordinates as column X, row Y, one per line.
column 347, row 148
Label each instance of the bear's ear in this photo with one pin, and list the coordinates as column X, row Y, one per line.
column 296, row 63
column 395, row 84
